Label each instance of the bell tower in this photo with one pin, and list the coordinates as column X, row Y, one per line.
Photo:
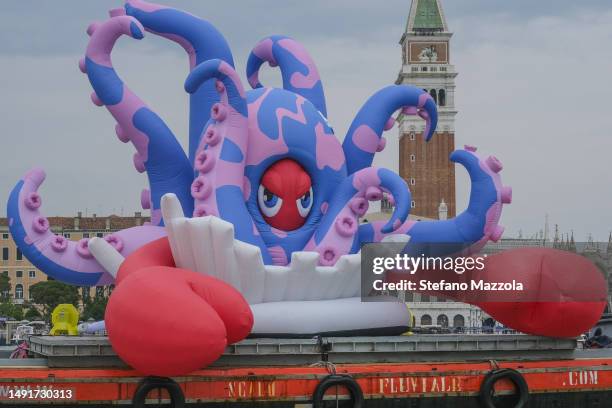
column 426, row 64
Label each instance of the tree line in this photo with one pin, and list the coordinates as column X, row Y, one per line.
column 46, row 295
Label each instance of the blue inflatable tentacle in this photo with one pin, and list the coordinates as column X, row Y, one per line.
column 202, row 42
column 298, row 70
column 479, row 222
column 366, row 234
column 63, row 259
column 221, row 154
column 158, row 151
column 338, row 232
column 222, row 71
column 363, row 138
column 402, row 197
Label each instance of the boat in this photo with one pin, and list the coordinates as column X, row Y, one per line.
column 465, row 370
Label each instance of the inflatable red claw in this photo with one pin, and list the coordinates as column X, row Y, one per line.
column 166, row 321
column 551, row 319
column 570, row 298
column 564, row 293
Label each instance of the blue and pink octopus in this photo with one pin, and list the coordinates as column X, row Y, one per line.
column 265, row 160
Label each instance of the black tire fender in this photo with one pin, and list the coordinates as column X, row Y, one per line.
column 486, row 397
column 333, row 380
column 177, row 398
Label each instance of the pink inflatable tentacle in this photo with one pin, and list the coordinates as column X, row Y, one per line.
column 202, row 42
column 221, row 154
column 491, row 167
column 200, row 39
column 227, row 129
column 479, row 223
column 338, row 232
column 109, row 89
column 157, row 150
column 364, row 137
column 299, row 72
column 65, row 260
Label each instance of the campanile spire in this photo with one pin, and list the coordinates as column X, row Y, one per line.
column 426, row 15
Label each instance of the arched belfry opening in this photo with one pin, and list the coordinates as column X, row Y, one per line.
column 442, row 97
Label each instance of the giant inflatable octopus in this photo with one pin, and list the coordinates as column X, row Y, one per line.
column 256, row 230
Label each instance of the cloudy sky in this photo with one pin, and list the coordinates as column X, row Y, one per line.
column 534, row 89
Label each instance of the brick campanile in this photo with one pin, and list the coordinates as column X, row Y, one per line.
column 426, row 63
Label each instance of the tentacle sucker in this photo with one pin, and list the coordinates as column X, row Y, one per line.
column 337, row 233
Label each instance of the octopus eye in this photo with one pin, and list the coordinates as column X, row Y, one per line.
column 304, row 203
column 269, row 203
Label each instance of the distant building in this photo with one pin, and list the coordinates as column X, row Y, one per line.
column 23, row 274
column 426, row 63
column 505, row 244
column 429, row 310
column 600, row 253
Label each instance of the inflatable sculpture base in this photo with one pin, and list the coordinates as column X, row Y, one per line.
column 254, row 230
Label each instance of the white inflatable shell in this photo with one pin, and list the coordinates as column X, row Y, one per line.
column 207, row 245
column 300, row 298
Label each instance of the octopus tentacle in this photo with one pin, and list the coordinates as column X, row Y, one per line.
column 475, row 226
column 158, row 151
column 299, row 72
column 364, row 137
column 338, row 232
column 65, row 260
column 202, row 42
column 221, row 155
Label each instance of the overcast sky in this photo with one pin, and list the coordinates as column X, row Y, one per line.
column 533, row 89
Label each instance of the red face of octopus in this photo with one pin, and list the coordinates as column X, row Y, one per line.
column 285, row 195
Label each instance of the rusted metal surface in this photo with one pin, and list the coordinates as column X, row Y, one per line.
column 276, row 370
column 297, row 383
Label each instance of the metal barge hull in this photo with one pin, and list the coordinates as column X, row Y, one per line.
column 407, row 371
